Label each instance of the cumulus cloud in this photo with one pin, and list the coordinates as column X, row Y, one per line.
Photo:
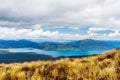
column 13, row 33
column 115, row 34
column 97, row 29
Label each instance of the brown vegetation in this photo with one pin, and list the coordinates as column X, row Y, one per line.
column 101, row 67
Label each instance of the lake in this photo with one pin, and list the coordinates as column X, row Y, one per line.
column 54, row 53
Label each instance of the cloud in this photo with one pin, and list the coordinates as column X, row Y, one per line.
column 104, row 33
column 115, row 34
column 28, row 18
column 97, row 29
column 13, row 33
column 37, row 26
column 71, row 13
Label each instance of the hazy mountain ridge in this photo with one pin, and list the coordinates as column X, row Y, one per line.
column 17, row 44
column 87, row 44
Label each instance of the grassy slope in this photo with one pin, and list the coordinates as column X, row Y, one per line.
column 100, row 67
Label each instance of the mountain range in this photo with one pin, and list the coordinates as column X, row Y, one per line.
column 86, row 44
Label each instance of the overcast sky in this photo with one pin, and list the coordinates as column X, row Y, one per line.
column 60, row 19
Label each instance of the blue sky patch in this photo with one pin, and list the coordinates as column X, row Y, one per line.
column 105, row 32
column 68, row 30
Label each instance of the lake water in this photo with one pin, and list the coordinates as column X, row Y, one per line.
column 54, row 53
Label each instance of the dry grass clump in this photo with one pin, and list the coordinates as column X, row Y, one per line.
column 100, row 67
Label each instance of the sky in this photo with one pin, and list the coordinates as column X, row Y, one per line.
column 60, row 19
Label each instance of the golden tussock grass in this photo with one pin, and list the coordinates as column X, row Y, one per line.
column 101, row 67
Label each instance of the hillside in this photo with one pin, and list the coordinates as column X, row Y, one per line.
column 10, row 57
column 100, row 67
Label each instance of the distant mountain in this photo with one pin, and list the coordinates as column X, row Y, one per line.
column 90, row 44
column 18, row 44
column 114, row 43
column 86, row 44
